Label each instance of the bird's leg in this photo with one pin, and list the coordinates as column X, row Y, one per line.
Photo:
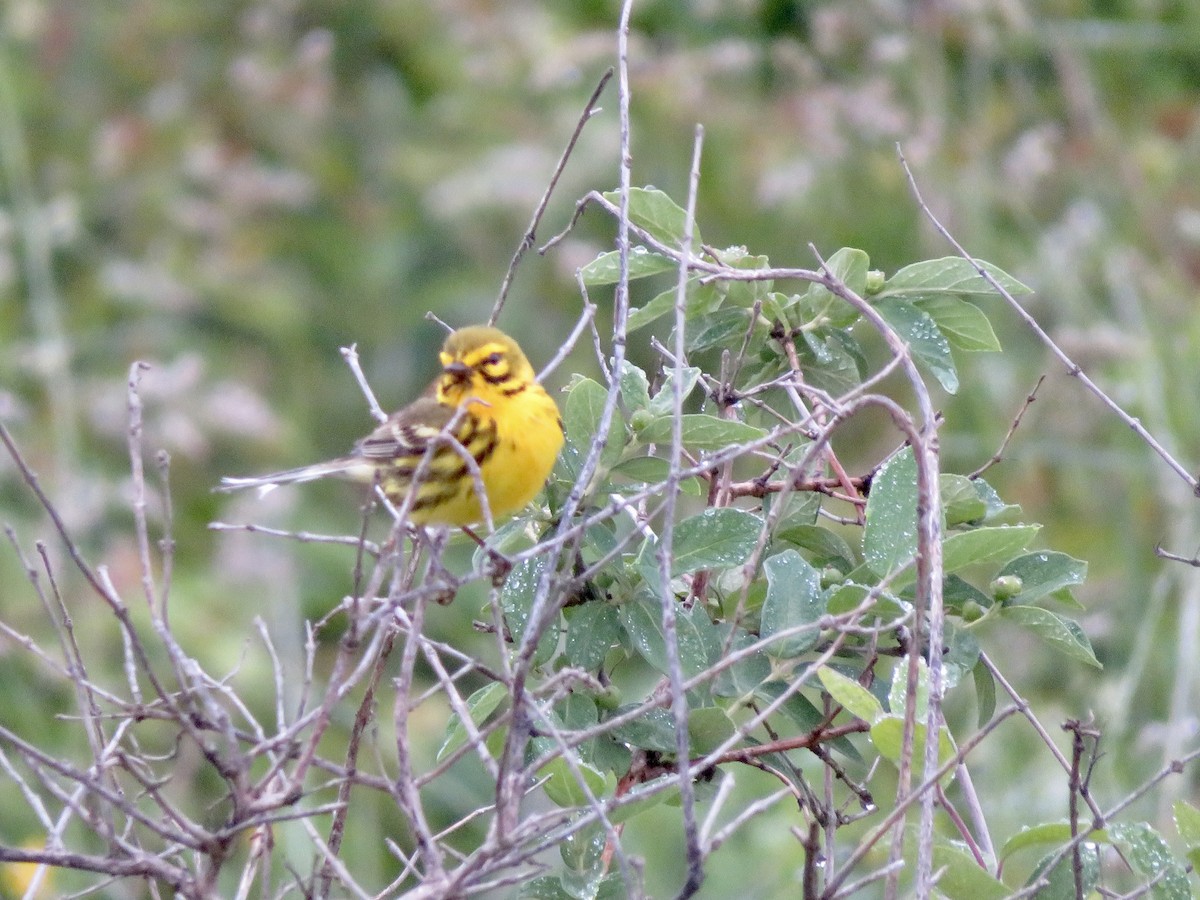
column 501, row 564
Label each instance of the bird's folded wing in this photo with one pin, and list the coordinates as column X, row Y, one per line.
column 408, row 432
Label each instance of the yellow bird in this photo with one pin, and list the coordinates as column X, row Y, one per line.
column 502, row 419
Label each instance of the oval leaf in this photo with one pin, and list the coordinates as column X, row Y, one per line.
column 657, row 214
column 564, row 787
column 950, row 275
column 701, row 432
column 926, row 342
column 964, row 324
column 716, row 538
column 962, row 876
column 480, row 705
column 1044, row 573
column 794, row 600
column 606, row 268
column 1063, row 634
column 708, row 728
column 1151, row 857
column 592, row 630
column 890, row 537
column 857, row 700
column 695, row 634
column 985, row 545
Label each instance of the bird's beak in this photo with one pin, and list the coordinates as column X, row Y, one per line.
column 458, row 370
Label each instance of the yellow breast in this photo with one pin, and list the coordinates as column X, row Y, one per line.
column 528, row 437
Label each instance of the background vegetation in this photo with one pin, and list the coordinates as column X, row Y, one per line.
column 232, row 191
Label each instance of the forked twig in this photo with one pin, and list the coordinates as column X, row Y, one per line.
column 527, row 240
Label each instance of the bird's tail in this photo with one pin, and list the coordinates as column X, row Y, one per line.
column 346, row 467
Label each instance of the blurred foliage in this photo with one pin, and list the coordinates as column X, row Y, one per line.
column 233, row 190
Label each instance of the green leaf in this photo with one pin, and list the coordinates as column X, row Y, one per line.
column 576, row 711
column 927, row 343
column 698, row 300
column 696, row 636
column 849, row 595
column 1047, row 834
column 583, row 409
column 658, row 215
column 979, row 545
column 1062, row 634
column 653, row 730
column 746, row 675
column 857, row 700
column 708, row 728
column 654, row 309
column 516, row 600
column 849, row 265
column 956, row 594
column 964, row 324
column 592, row 630
column 581, row 422
column 701, row 432
column 832, row 359
column 985, row 693
column 887, row 734
column 961, row 656
column 985, row 545
column 1060, row 881
column 794, row 599
column 480, row 705
column 545, row 887
column 1187, row 823
column 724, row 328
column 744, row 293
column 646, row 469
column 898, row 689
column 583, row 850
column 642, row 798
column 961, row 502
column 825, row 546
column 890, row 536
column 635, row 387
column 962, row 876
column 606, row 268
column 1044, row 573
column 663, row 403
column 653, row 470
column 564, row 788
column 949, row 275
column 1150, row 856
column 716, row 538
column 996, row 507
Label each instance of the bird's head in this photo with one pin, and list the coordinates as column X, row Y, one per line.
column 483, row 363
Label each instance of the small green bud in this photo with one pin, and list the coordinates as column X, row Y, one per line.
column 640, row 420
column 609, row 698
column 972, row 611
column 1006, row 587
column 831, row 575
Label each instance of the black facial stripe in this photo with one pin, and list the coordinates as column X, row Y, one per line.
column 496, row 379
column 513, row 391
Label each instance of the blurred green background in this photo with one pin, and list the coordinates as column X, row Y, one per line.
column 231, row 191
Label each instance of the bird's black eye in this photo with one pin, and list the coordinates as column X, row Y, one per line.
column 493, row 360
